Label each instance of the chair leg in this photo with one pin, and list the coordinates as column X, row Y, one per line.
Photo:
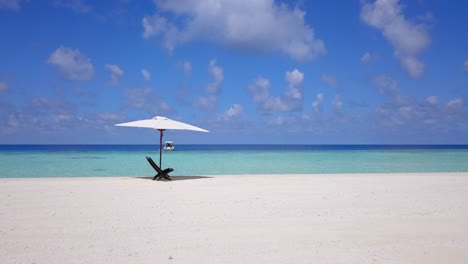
column 158, row 177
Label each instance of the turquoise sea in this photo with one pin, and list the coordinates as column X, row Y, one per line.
column 20, row 161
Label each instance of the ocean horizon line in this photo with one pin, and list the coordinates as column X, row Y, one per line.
column 227, row 144
column 227, row 147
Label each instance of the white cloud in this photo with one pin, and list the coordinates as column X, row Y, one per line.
column 259, row 90
column 413, row 65
column 207, row 103
column 109, row 117
column 386, row 84
column 337, row 104
column 146, row 74
column 145, row 99
column 277, row 121
column 115, row 73
column 3, row 87
column 403, row 110
column 367, row 57
column 218, row 76
column 317, row 105
column 42, row 114
column 389, row 88
column 258, row 26
column 72, row 64
column 433, row 100
column 456, row 103
column 233, row 112
column 52, row 117
column 84, row 93
column 294, row 77
column 290, row 101
column 137, row 98
column 156, row 25
column 76, row 5
column 330, row 80
column 465, row 65
column 407, row 38
column 187, row 67
column 291, row 123
column 10, row 4
column 421, row 114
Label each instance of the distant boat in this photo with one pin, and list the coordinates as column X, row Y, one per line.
column 169, row 145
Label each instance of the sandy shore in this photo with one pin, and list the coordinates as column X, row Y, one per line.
column 360, row 218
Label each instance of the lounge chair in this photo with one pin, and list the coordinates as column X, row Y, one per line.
column 161, row 173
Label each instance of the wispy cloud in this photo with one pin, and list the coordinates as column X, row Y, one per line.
column 290, row 101
column 433, row 100
column 72, row 64
column 368, row 57
column 42, row 114
column 53, row 117
column 146, row 74
column 408, row 39
column 337, row 104
column 115, row 74
column 293, row 123
column 456, row 103
column 228, row 121
column 234, row 111
column 317, row 104
column 10, row 4
column 207, row 103
column 465, row 65
column 3, row 87
column 218, row 76
column 76, row 5
column 403, row 110
column 386, row 84
column 258, row 26
column 145, row 99
column 81, row 92
column 330, row 80
column 187, row 65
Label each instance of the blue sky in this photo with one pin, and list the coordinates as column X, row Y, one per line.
column 282, row 72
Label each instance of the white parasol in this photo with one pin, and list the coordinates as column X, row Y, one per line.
column 162, row 123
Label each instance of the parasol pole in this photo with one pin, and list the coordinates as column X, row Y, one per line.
column 160, row 145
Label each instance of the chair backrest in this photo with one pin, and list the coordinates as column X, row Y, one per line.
column 155, row 167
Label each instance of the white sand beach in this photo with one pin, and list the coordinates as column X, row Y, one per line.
column 354, row 218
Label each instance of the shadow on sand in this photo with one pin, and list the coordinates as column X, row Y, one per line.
column 177, row 178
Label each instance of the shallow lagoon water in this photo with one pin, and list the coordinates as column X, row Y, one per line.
column 19, row 161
